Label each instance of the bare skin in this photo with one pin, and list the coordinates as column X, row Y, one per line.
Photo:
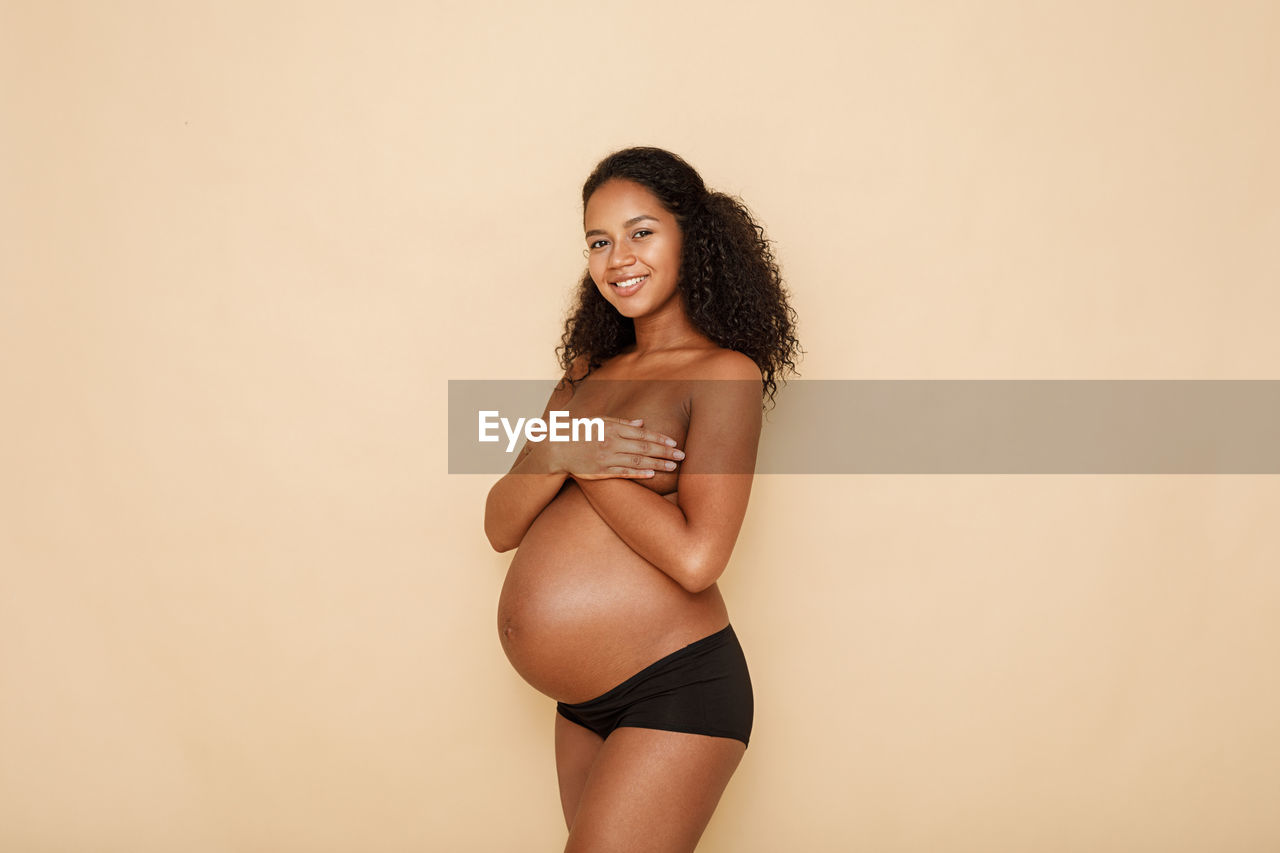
column 650, row 790
column 621, row 544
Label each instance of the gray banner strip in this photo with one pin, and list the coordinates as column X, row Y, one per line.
column 947, row 426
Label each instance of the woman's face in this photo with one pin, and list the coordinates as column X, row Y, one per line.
column 633, row 248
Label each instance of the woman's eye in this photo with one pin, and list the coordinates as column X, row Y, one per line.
column 596, row 244
column 642, row 233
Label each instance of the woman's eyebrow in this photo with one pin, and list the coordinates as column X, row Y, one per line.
column 632, row 221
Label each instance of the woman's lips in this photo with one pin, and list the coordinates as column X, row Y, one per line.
column 628, row 286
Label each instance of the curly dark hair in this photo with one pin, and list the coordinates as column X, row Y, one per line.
column 729, row 280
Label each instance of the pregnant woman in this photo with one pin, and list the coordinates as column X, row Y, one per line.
column 610, row 606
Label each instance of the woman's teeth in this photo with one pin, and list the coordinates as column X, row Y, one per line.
column 630, row 282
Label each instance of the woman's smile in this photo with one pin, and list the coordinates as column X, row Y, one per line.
column 629, row 286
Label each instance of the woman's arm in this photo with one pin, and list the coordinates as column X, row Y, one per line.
column 541, row 468
column 517, row 499
column 524, row 491
column 692, row 542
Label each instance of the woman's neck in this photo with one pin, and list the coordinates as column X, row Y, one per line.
column 666, row 330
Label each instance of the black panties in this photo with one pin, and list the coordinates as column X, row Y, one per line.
column 702, row 689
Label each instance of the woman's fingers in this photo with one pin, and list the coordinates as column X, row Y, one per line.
column 630, row 473
column 650, row 436
column 631, row 451
column 656, row 450
column 640, row 461
column 635, row 432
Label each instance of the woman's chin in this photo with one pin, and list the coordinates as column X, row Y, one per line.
column 628, row 309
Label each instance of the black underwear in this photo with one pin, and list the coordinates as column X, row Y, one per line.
column 702, row 689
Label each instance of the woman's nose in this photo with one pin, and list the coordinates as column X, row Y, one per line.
column 622, row 256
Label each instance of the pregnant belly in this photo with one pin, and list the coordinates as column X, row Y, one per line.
column 581, row 612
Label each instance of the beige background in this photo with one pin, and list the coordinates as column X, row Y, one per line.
column 244, row 608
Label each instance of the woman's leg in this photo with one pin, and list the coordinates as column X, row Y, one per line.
column 652, row 791
column 576, row 749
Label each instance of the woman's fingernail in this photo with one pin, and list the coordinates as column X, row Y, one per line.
column 671, row 442
column 670, row 465
column 679, row 454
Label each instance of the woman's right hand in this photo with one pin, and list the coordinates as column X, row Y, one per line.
column 628, row 450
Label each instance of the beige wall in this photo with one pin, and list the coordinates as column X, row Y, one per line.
column 244, row 608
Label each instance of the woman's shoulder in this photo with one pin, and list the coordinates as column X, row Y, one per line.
column 713, row 365
column 703, row 362
column 727, row 384
column 565, row 387
column 731, row 364
column 577, row 369
column 723, row 363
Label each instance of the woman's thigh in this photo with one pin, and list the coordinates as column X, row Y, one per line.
column 652, row 790
column 576, row 749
